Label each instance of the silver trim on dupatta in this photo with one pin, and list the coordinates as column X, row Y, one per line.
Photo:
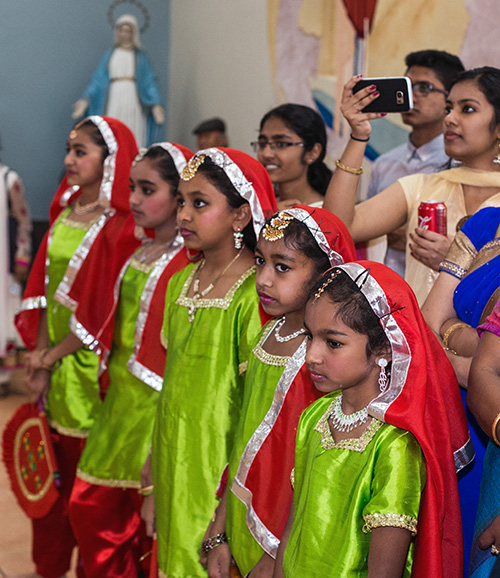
column 304, row 217
column 137, row 369
column 240, row 183
column 401, row 355
column 266, row 539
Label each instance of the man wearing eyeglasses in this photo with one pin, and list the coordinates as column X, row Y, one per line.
column 431, row 73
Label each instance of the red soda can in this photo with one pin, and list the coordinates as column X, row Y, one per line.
column 432, row 216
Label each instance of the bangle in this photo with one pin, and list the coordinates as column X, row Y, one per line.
column 347, row 169
column 146, row 490
column 494, row 429
column 451, row 329
column 21, row 262
column 360, row 139
column 213, row 542
column 43, row 365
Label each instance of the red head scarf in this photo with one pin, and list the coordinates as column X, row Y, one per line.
column 262, row 481
column 148, row 360
column 88, row 281
column 423, row 397
column 249, row 178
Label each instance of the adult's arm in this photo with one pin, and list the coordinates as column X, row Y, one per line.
column 440, row 315
column 381, row 214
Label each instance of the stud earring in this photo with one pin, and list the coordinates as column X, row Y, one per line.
column 382, row 380
column 497, row 158
column 238, row 239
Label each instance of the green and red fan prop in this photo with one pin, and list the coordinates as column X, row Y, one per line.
column 29, row 458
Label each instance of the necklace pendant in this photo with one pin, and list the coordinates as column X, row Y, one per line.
column 191, row 312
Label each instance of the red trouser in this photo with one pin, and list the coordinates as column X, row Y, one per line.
column 110, row 533
column 53, row 538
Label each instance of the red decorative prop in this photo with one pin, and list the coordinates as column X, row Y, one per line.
column 358, row 10
column 29, row 458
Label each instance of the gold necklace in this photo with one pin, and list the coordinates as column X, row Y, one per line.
column 84, row 209
column 197, row 294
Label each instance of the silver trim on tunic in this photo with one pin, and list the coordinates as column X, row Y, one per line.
column 266, row 539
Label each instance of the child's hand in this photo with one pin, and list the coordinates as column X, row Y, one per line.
column 148, row 514
column 219, row 562
column 37, row 383
column 264, row 568
column 203, row 554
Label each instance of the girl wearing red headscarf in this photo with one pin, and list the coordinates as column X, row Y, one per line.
column 72, row 274
column 375, row 488
column 105, row 503
column 295, row 247
column 211, row 318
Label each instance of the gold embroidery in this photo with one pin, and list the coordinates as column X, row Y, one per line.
column 461, row 253
column 452, row 269
column 138, row 266
column 268, row 358
column 390, row 520
column 486, row 253
column 68, row 431
column 353, row 444
column 65, row 220
column 219, row 303
column 292, row 478
column 243, row 367
column 129, row 484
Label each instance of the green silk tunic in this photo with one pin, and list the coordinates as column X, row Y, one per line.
column 73, row 400
column 264, row 372
column 198, row 412
column 342, row 491
column 119, row 441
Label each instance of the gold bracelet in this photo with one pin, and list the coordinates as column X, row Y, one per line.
column 451, row 329
column 347, row 169
column 146, row 490
column 494, row 429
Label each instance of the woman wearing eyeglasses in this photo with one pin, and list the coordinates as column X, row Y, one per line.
column 471, row 136
column 291, row 146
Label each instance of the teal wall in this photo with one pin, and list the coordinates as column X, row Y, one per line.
column 49, row 49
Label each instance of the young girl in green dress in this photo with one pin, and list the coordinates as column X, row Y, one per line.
column 295, row 247
column 105, row 503
column 374, row 458
column 211, row 319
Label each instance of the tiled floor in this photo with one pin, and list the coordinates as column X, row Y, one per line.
column 14, row 525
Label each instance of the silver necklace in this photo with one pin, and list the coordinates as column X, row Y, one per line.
column 286, row 338
column 343, row 422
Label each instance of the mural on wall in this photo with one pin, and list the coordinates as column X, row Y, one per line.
column 313, row 43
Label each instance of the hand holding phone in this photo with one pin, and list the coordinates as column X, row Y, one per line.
column 395, row 94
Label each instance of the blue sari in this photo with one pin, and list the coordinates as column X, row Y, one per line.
column 474, row 258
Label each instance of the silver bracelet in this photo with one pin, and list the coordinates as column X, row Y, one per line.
column 213, row 542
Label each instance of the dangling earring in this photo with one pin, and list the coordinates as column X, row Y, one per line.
column 497, row 158
column 238, row 239
column 382, row 380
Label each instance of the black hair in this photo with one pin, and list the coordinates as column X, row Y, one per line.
column 354, row 309
column 446, row 66
column 164, row 164
column 94, row 134
column 221, row 181
column 212, row 124
column 310, row 127
column 488, row 81
column 297, row 236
